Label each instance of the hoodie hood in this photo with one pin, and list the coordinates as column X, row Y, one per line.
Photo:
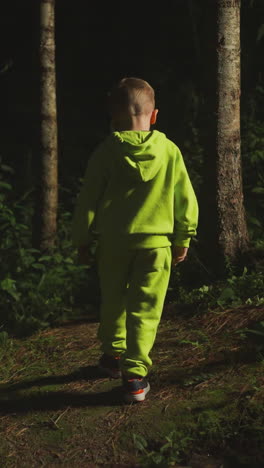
column 140, row 152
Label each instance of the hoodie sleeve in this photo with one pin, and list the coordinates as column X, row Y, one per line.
column 185, row 206
column 88, row 200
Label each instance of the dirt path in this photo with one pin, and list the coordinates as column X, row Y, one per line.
column 205, row 408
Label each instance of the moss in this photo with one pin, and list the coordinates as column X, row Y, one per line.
column 56, row 408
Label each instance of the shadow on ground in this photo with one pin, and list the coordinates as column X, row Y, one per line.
column 53, row 400
column 84, row 373
column 60, row 400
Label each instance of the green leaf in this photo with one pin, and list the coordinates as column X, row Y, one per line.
column 9, row 285
column 260, row 33
column 6, row 168
column 256, row 332
column 156, row 458
column 3, row 338
column 258, row 190
column 5, row 186
column 226, row 295
column 69, row 260
column 45, row 258
column 38, row 266
column 254, row 221
column 139, row 442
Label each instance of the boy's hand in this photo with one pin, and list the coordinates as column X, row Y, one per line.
column 179, row 254
column 84, row 257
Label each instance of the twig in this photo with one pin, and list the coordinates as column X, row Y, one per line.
column 55, row 422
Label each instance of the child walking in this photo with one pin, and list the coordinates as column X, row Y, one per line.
column 139, row 203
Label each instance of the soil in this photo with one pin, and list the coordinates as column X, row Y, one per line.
column 205, row 407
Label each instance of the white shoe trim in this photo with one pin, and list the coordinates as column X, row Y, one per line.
column 129, row 397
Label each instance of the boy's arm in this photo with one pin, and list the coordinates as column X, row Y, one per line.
column 87, row 204
column 185, row 211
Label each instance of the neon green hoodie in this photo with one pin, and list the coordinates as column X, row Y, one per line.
column 136, row 186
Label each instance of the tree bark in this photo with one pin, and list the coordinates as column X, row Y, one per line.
column 232, row 228
column 48, row 127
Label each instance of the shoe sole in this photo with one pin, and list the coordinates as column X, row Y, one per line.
column 135, row 398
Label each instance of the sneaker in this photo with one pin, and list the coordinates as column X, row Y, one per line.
column 135, row 389
column 110, row 365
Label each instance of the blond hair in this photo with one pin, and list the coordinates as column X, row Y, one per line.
column 131, row 97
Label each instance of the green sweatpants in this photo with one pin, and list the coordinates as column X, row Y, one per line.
column 133, row 287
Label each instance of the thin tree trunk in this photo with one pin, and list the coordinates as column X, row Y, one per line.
column 232, row 229
column 48, row 130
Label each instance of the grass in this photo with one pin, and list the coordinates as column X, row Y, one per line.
column 205, row 407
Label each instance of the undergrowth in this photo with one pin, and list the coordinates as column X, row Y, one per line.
column 36, row 290
column 224, row 434
column 246, row 288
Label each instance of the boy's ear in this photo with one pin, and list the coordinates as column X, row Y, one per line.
column 153, row 117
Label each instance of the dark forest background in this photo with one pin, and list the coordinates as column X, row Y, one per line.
column 171, row 45
column 97, row 43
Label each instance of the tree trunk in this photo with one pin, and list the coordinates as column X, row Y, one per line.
column 48, row 127
column 232, row 229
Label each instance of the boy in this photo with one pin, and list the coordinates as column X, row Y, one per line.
column 138, row 200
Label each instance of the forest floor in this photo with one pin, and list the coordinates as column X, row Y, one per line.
column 205, row 407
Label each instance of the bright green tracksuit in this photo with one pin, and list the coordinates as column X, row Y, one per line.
column 138, row 200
